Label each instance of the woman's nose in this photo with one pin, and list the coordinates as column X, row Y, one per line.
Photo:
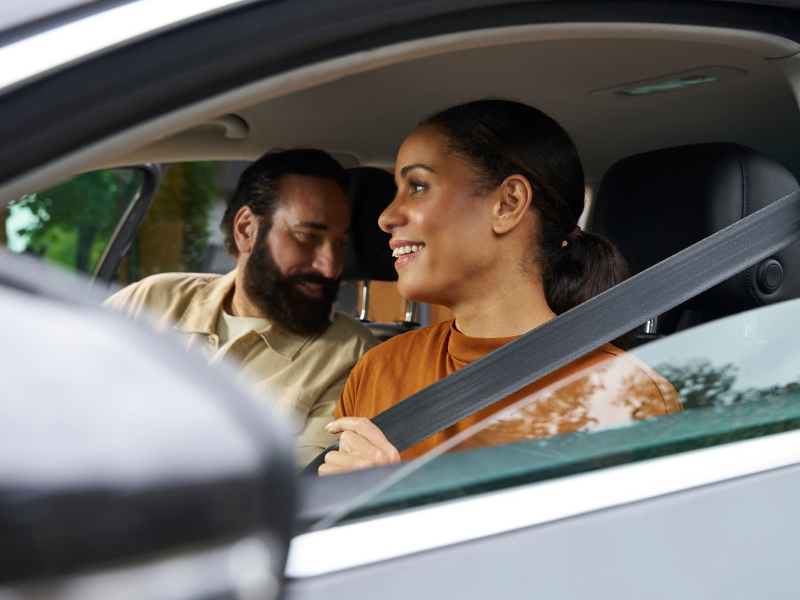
column 390, row 218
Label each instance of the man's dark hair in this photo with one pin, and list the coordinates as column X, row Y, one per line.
column 259, row 186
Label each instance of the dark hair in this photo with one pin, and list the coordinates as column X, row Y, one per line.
column 501, row 138
column 259, row 186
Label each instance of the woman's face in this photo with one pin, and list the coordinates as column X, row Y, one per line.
column 441, row 228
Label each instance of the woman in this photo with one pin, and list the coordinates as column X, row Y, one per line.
column 485, row 222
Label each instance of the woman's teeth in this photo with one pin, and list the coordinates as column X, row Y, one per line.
column 407, row 250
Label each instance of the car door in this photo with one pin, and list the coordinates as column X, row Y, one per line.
column 695, row 504
column 124, row 93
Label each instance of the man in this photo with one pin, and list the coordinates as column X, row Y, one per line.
column 285, row 226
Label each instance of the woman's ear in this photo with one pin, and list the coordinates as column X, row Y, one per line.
column 245, row 230
column 512, row 203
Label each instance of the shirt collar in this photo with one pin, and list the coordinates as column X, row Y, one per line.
column 467, row 349
column 203, row 310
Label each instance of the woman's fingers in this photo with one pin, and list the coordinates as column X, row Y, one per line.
column 362, row 445
column 342, row 462
column 366, row 429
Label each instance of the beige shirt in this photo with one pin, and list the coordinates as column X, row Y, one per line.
column 230, row 328
column 302, row 376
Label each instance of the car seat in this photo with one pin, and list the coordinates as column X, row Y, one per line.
column 655, row 204
column 367, row 255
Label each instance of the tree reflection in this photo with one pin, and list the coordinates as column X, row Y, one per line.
column 622, row 390
column 701, row 384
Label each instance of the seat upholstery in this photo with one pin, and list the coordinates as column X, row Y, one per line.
column 367, row 256
column 655, row 204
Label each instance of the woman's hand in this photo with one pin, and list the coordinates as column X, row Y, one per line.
column 361, row 446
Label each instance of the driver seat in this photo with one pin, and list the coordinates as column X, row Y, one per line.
column 655, row 204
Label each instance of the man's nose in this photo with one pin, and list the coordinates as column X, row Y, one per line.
column 328, row 261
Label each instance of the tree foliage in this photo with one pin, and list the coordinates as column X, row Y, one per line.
column 74, row 220
column 199, row 187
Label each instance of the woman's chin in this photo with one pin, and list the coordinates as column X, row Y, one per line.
column 417, row 291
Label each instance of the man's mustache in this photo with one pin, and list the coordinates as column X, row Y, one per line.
column 314, row 278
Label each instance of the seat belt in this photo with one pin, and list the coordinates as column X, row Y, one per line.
column 588, row 326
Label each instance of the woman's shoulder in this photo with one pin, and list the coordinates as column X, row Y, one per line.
column 664, row 388
column 610, row 352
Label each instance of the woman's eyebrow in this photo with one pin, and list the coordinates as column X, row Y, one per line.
column 404, row 171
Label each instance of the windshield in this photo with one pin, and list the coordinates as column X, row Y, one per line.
column 737, row 378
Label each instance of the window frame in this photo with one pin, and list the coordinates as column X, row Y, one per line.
column 129, row 224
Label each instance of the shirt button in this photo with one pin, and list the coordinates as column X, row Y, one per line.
column 212, row 340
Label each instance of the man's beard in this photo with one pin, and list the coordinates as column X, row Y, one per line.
column 279, row 299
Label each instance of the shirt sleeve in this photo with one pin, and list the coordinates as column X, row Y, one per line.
column 128, row 302
column 313, row 439
column 660, row 397
column 663, row 399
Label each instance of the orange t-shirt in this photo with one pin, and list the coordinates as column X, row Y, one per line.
column 623, row 389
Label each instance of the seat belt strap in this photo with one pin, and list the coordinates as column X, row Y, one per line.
column 588, row 326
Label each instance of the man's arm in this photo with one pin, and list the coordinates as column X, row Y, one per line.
column 314, row 438
column 128, row 301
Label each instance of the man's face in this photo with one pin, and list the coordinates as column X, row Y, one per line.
column 292, row 272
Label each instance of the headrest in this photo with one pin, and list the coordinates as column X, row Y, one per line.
column 655, row 204
column 367, row 255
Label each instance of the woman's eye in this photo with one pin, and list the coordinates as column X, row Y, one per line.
column 416, row 187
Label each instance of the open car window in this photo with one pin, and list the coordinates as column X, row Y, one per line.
column 737, row 378
column 71, row 224
column 180, row 232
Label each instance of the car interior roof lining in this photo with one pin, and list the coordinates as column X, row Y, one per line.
column 161, row 138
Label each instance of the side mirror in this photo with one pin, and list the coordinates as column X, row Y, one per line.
column 126, row 465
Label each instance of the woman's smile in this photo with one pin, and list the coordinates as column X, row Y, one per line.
column 405, row 250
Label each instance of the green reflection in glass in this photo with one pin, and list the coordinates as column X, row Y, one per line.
column 738, row 378
column 701, row 384
column 463, row 474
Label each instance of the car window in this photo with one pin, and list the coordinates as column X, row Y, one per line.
column 71, row 223
column 737, row 378
column 180, row 232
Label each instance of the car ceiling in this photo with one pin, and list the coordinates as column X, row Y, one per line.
column 365, row 117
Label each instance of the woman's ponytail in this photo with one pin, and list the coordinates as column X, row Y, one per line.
column 586, row 266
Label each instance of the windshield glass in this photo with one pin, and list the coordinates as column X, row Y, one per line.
column 737, row 378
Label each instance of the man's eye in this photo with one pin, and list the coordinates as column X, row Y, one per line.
column 308, row 236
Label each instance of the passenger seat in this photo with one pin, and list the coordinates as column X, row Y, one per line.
column 367, row 255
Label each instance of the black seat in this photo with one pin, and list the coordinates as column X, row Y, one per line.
column 655, row 204
column 367, row 255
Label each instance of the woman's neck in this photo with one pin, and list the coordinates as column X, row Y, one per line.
column 502, row 312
